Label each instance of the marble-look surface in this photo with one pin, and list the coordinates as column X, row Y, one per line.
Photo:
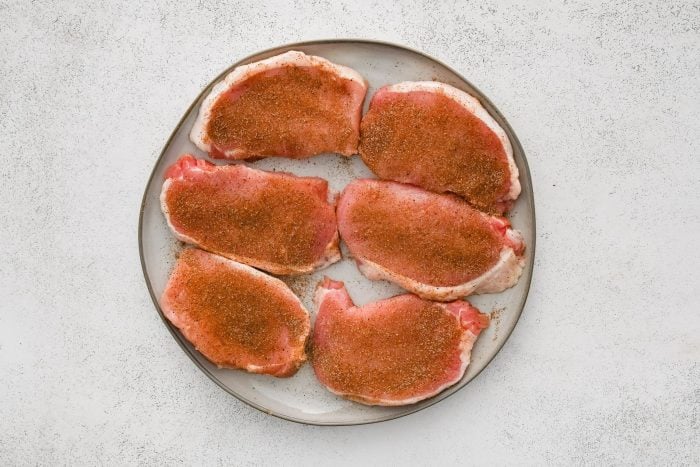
column 604, row 366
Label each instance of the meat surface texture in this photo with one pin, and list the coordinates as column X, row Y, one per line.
column 434, row 245
column 440, row 138
column 236, row 316
column 292, row 105
column 277, row 222
column 396, row 351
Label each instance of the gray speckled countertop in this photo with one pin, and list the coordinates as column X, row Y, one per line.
column 604, row 366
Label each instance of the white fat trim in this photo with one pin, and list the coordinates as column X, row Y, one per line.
column 502, row 275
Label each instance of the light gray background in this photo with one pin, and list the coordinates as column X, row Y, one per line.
column 604, row 364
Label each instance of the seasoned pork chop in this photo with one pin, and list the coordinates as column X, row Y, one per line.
column 435, row 136
column 396, row 351
column 277, row 222
column 236, row 316
column 434, row 245
column 293, row 105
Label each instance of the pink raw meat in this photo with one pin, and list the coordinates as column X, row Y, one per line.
column 440, row 138
column 277, row 222
column 434, row 245
column 293, row 105
column 236, row 316
column 396, row 351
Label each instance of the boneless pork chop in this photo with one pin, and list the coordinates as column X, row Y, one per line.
column 434, row 245
column 392, row 352
column 277, row 222
column 435, row 136
column 292, row 105
column 236, row 316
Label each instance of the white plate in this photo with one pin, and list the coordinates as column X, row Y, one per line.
column 301, row 398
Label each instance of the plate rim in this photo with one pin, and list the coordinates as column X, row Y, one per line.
column 189, row 352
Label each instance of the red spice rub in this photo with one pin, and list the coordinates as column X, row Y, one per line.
column 274, row 221
column 428, row 139
column 292, row 111
column 235, row 316
column 434, row 239
column 392, row 352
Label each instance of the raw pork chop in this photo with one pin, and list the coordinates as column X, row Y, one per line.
column 292, row 105
column 436, row 246
column 392, row 352
column 277, row 222
column 435, row 136
column 236, row 316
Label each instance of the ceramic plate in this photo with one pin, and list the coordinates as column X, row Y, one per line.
column 301, row 398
